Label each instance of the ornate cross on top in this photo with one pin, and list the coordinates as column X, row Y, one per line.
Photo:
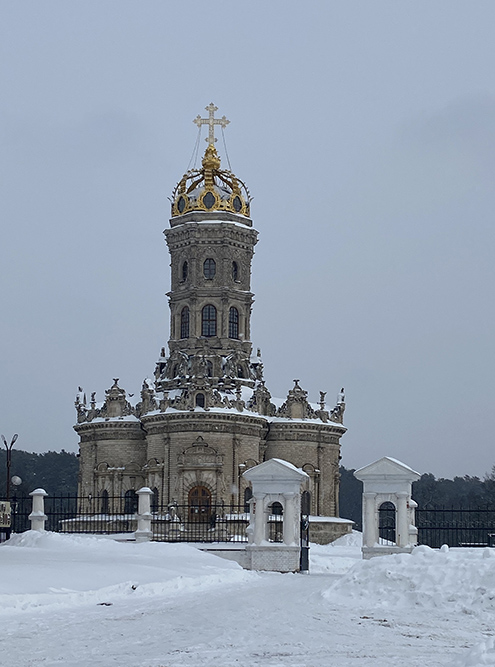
column 211, row 121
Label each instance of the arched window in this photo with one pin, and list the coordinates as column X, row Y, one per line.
column 235, row 271
column 276, row 522
column 209, row 268
column 200, row 400
column 184, row 323
column 130, row 502
column 233, row 323
column 248, row 494
column 306, row 502
column 104, row 505
column 185, row 270
column 154, row 500
column 209, row 369
column 209, row 321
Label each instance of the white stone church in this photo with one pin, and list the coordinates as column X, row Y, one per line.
column 206, row 415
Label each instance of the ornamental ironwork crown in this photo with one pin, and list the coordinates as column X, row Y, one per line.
column 210, row 188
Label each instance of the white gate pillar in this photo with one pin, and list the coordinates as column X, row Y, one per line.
column 275, row 481
column 387, row 480
column 38, row 516
column 259, row 518
column 144, row 532
column 291, row 518
column 402, row 527
column 370, row 526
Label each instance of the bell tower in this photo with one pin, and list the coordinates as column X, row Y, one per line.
column 211, row 243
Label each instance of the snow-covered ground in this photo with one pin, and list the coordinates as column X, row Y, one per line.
column 87, row 601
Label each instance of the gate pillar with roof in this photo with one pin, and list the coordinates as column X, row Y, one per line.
column 387, row 488
column 275, row 482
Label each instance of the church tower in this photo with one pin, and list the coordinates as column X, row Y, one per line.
column 211, row 242
column 206, row 415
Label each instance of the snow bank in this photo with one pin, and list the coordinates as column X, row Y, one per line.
column 463, row 579
column 337, row 557
column 354, row 539
column 54, row 569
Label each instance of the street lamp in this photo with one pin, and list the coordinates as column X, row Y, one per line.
column 9, row 461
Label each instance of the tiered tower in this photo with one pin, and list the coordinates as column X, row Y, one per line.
column 206, row 415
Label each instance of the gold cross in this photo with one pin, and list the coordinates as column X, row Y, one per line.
column 211, row 121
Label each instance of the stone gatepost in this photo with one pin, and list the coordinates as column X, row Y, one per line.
column 388, row 481
column 274, row 481
column 38, row 516
column 144, row 532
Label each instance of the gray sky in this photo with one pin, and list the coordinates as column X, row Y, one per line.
column 365, row 132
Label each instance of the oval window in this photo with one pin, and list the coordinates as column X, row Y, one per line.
column 209, row 200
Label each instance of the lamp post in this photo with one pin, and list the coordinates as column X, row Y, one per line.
column 9, row 461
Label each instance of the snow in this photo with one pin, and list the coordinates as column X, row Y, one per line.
column 82, row 600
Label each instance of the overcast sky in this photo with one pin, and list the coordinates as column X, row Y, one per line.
column 365, row 132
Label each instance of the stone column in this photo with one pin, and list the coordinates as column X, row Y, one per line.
column 370, row 520
column 38, row 516
column 259, row 519
column 144, row 532
column 290, row 519
column 402, row 527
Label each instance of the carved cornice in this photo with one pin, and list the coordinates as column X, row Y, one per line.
column 243, row 424
column 111, row 430
column 325, row 433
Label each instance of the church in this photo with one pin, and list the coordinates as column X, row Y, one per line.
column 206, row 414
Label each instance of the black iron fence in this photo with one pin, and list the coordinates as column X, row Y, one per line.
column 169, row 523
column 457, row 527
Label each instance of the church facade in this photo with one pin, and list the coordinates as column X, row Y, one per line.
column 206, row 415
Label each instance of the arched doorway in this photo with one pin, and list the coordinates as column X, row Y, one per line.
column 199, row 501
column 386, row 523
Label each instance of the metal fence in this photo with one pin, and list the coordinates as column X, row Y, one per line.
column 457, row 527
column 170, row 523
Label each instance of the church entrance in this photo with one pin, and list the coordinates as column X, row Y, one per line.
column 199, row 502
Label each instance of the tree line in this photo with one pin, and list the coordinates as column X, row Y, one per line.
column 56, row 472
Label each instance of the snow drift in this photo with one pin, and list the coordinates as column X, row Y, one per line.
column 462, row 579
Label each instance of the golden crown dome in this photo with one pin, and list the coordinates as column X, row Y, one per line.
column 210, row 188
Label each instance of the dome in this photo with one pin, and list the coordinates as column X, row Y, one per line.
column 210, row 189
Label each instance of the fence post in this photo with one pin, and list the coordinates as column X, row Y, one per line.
column 144, row 532
column 38, row 516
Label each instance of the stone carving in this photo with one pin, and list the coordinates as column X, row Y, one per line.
column 148, row 398
column 116, row 405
